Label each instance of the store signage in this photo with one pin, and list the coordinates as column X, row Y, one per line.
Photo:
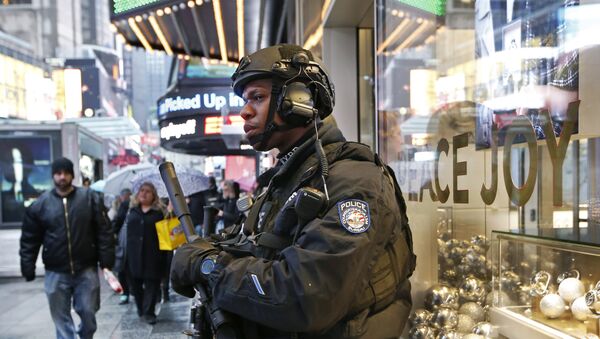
column 207, row 102
column 519, row 195
column 177, row 130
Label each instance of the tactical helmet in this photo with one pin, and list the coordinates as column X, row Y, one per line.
column 283, row 63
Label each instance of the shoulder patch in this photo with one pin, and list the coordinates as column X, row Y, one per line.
column 354, row 215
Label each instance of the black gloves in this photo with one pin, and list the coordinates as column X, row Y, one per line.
column 29, row 275
column 185, row 267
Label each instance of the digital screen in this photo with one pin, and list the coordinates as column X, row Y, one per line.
column 122, row 6
column 25, row 172
column 437, row 7
column 194, row 127
column 214, row 125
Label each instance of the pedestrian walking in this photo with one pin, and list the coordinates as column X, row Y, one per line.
column 118, row 222
column 71, row 223
column 145, row 261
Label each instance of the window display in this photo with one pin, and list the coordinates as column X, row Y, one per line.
column 487, row 113
column 555, row 285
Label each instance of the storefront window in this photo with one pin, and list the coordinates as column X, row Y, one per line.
column 486, row 112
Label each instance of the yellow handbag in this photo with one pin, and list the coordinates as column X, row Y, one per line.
column 170, row 234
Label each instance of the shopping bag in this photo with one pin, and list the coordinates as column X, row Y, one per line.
column 113, row 282
column 170, row 234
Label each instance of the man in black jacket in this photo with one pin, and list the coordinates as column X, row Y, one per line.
column 71, row 223
column 329, row 249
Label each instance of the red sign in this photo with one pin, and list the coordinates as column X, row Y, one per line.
column 214, row 125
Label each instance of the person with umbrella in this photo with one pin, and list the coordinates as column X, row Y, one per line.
column 145, row 261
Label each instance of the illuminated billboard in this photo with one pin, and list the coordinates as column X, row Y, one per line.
column 24, row 173
column 124, row 6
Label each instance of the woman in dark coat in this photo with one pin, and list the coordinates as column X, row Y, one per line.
column 145, row 261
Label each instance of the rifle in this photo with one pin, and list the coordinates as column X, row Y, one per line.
column 206, row 320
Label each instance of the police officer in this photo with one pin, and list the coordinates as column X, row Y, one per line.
column 331, row 250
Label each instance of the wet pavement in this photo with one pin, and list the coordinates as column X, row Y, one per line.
column 24, row 314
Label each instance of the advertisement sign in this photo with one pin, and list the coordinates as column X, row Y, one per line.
column 525, row 68
column 194, row 127
column 25, row 173
column 199, row 100
column 25, row 92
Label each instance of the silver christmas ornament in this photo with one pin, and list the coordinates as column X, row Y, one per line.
column 457, row 253
column 473, row 310
column 452, row 243
column 444, row 318
column 464, row 270
column 441, row 296
column 570, row 289
column 580, row 309
column 476, row 249
column 419, row 317
column 465, row 323
column 448, row 335
column 421, row 332
column 442, row 247
column 592, row 299
column 510, row 281
column 481, row 241
column 449, row 276
column 472, row 289
column 552, row 305
column 540, row 283
column 524, row 294
column 485, row 329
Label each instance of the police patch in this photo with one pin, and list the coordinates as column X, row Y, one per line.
column 354, row 215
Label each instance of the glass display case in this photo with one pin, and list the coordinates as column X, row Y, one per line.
column 545, row 287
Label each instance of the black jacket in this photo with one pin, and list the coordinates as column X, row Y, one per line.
column 323, row 285
column 75, row 236
column 209, row 197
column 230, row 211
column 120, row 217
column 144, row 258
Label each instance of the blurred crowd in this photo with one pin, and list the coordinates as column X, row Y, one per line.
column 143, row 269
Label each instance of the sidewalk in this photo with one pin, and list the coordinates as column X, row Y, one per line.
column 24, row 314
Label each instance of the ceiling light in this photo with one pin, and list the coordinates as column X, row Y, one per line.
column 161, row 37
column 138, row 33
column 220, row 30
column 240, row 27
column 392, row 37
column 411, row 37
